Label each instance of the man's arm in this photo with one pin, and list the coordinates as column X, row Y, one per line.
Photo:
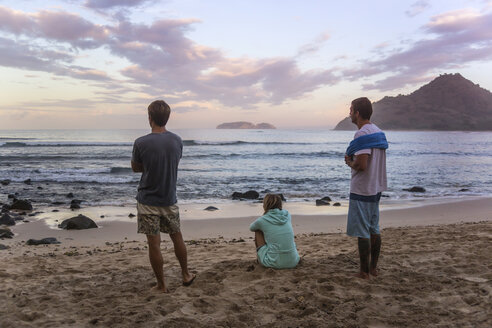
column 137, row 167
column 359, row 163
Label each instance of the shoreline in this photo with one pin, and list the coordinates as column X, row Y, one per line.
column 197, row 223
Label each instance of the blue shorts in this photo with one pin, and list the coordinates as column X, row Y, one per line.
column 363, row 216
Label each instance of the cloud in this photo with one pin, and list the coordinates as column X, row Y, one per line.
column 60, row 26
column 417, row 8
column 26, row 55
column 163, row 59
column 454, row 39
column 105, row 4
column 315, row 45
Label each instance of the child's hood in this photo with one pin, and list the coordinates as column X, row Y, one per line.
column 276, row 216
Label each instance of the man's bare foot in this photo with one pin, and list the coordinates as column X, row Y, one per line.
column 160, row 289
column 189, row 279
column 362, row 275
column 373, row 272
column 156, row 289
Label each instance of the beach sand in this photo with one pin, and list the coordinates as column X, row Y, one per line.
column 435, row 271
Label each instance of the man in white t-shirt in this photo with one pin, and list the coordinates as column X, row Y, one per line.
column 368, row 164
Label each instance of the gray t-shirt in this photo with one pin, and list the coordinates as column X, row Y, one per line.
column 159, row 154
column 373, row 179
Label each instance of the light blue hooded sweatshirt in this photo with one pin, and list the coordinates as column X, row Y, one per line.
column 280, row 250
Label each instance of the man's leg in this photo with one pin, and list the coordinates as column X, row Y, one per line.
column 182, row 256
column 375, row 249
column 364, row 254
column 156, row 261
column 259, row 239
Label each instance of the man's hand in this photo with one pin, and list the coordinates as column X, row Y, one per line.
column 137, row 167
column 359, row 163
column 348, row 160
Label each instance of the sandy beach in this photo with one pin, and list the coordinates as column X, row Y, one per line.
column 435, row 269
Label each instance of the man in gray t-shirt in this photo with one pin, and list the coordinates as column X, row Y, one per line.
column 157, row 156
column 368, row 180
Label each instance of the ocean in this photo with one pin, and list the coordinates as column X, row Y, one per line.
column 303, row 165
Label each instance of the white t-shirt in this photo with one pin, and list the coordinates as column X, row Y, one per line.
column 373, row 179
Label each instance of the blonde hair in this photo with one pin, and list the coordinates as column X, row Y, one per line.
column 272, row 201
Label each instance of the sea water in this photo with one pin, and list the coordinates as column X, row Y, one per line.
column 303, row 165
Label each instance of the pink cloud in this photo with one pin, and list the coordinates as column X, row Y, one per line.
column 457, row 38
column 105, row 4
column 16, row 21
column 417, row 8
column 61, row 26
column 163, row 58
column 66, row 26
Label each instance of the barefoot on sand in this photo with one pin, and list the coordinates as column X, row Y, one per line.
column 374, row 272
column 362, row 275
column 157, row 289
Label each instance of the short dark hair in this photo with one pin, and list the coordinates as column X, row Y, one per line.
column 271, row 201
column 363, row 106
column 159, row 112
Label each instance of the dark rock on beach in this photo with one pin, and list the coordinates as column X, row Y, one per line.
column 5, row 208
column 6, row 219
column 463, row 190
column 74, row 206
column 210, row 208
column 250, row 194
column 415, row 189
column 78, row 222
column 2, row 247
column 69, row 195
column 17, row 217
column 28, row 181
column 322, row 202
column 57, row 203
column 131, row 215
column 21, row 204
column 6, row 233
column 236, row 195
column 337, row 204
column 5, row 182
column 34, row 214
column 44, row 241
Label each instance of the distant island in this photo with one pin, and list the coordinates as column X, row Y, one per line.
column 245, row 125
column 448, row 103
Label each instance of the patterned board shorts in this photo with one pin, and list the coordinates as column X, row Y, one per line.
column 155, row 219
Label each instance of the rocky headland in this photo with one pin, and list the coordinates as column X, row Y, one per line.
column 448, row 103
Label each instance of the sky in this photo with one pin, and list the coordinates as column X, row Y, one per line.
column 97, row 64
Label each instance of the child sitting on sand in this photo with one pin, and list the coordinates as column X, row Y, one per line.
column 274, row 236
